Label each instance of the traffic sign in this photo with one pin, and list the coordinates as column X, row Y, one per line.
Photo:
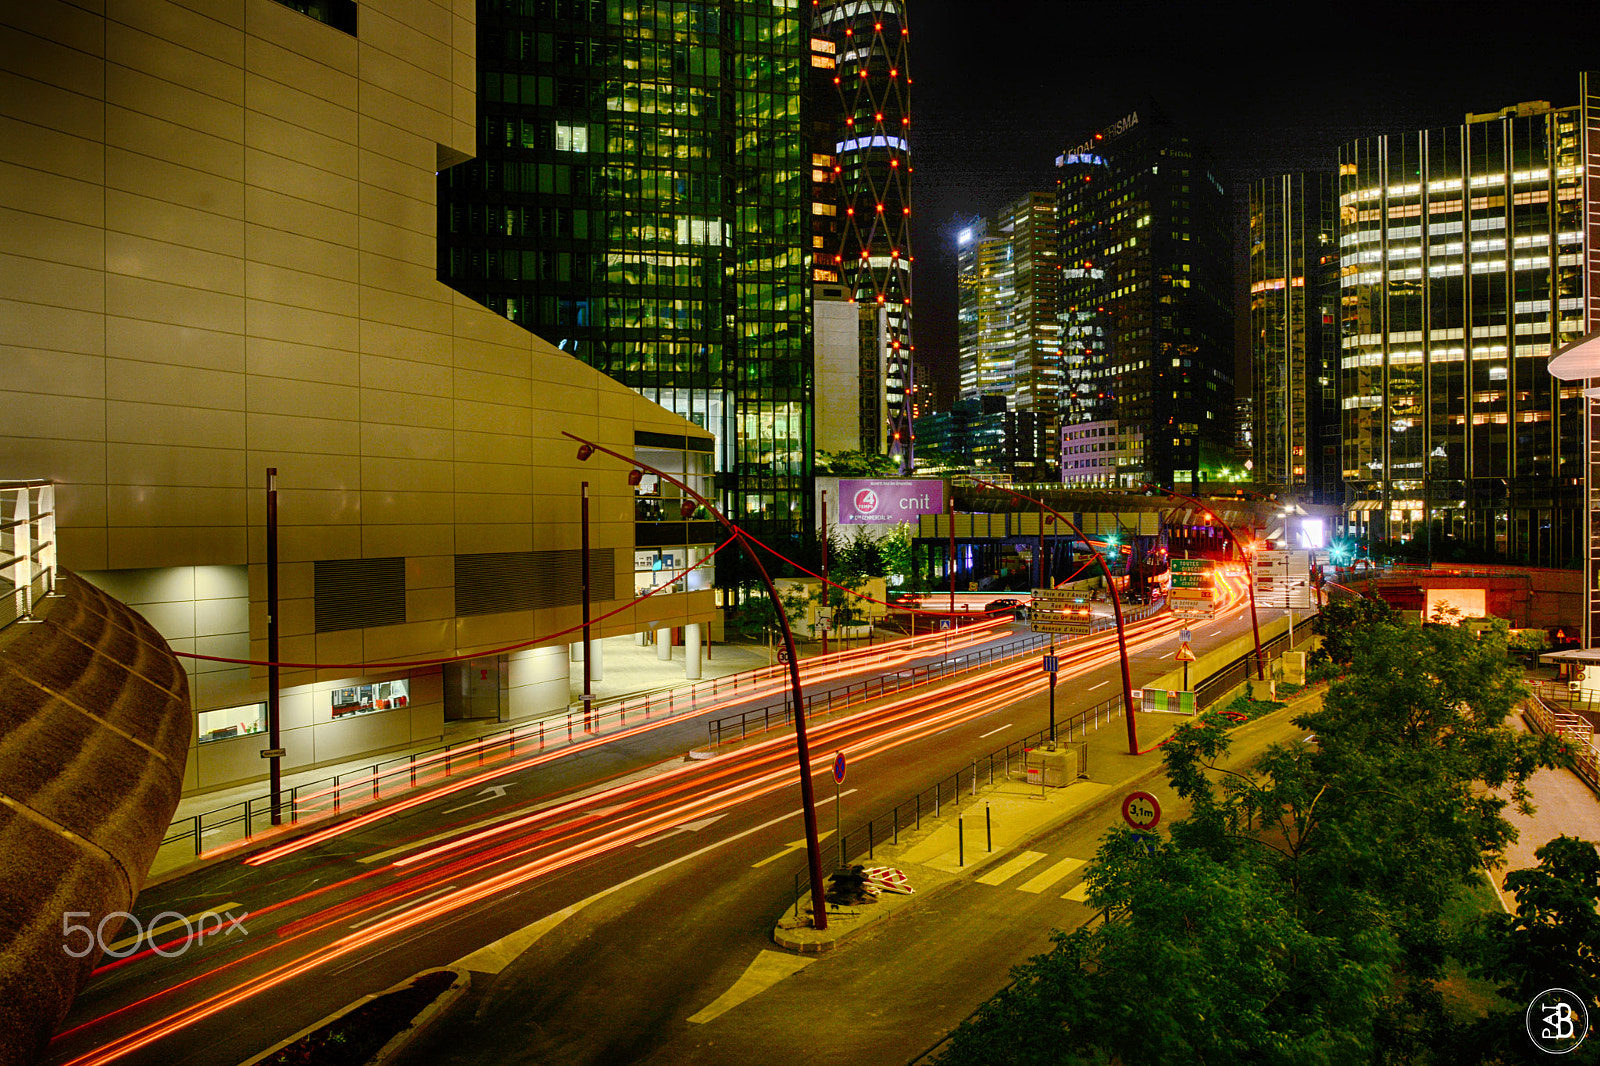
column 1141, row 810
column 838, row 767
column 945, row 623
column 1054, row 597
column 1070, row 628
column 1185, row 654
column 1184, row 635
column 824, row 621
column 1051, row 662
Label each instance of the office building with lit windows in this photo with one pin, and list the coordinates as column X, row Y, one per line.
column 641, row 198
column 1007, row 316
column 1464, row 268
column 1294, row 331
column 860, row 108
column 1146, row 296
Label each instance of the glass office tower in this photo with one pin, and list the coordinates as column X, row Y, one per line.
column 641, row 198
column 1146, row 297
column 861, row 148
column 1009, row 334
column 1294, row 334
column 1464, row 259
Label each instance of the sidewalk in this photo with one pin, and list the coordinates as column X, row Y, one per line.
column 955, row 845
column 629, row 671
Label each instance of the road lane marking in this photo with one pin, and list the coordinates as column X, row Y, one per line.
column 1007, row 870
column 768, row 969
column 155, row 931
column 683, row 827
column 496, row 956
column 992, row 732
column 1078, row 892
column 789, row 849
column 1050, row 876
column 1102, row 684
column 395, row 910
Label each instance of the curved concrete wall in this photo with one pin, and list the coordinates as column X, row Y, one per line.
column 94, row 727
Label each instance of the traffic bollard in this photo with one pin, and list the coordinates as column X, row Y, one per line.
column 961, row 843
column 988, row 827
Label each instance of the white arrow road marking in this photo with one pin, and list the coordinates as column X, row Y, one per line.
column 686, row 827
column 768, row 969
column 790, row 849
column 493, row 792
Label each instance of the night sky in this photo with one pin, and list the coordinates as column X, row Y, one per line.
column 999, row 88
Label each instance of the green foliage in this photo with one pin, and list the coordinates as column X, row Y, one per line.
column 1554, row 937
column 896, row 551
column 1527, row 641
column 755, row 614
column 1345, row 625
column 1299, row 912
column 856, row 464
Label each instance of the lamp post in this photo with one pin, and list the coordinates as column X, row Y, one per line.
column 1249, row 578
column 819, row 902
column 1116, row 605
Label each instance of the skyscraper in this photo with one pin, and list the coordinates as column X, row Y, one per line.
column 641, row 200
column 1464, row 269
column 1007, row 290
column 1294, row 303
column 1145, row 302
column 861, row 109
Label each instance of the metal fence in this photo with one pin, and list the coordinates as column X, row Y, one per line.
column 1552, row 707
column 733, row 727
column 862, row 841
column 1213, row 688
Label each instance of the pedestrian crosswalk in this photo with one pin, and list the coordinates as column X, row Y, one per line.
column 1043, row 880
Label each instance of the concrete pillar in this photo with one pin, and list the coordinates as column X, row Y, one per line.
column 597, row 672
column 691, row 651
column 638, row 639
column 664, row 645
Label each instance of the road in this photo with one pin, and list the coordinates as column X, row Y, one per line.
column 426, row 885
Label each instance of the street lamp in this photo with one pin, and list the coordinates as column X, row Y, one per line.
column 1249, row 578
column 1116, row 604
column 819, row 902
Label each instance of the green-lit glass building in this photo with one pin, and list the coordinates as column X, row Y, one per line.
column 642, row 199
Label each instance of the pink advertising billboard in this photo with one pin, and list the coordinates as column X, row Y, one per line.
column 875, row 501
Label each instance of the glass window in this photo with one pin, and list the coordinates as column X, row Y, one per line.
column 228, row 722
column 382, row 696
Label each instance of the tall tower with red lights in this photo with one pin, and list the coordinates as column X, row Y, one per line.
column 861, row 169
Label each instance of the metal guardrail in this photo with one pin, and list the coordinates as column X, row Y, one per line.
column 733, row 727
column 862, row 841
column 1551, row 708
column 1236, row 673
column 386, row 778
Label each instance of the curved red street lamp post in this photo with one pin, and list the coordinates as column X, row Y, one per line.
column 1116, row 605
column 819, row 902
column 1249, row 578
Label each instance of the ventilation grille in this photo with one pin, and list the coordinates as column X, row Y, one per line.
column 522, row 581
column 354, row 593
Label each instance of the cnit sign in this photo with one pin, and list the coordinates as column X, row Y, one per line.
column 885, row 501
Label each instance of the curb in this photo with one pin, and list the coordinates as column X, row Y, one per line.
column 402, row 1039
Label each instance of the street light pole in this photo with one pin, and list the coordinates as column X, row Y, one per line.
column 1249, row 578
column 1116, row 605
column 819, row 901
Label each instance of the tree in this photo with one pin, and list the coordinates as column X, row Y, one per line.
column 1552, row 941
column 1346, row 624
column 1296, row 913
column 856, row 464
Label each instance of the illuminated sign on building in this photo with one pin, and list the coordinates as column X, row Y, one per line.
column 1084, row 153
column 871, row 502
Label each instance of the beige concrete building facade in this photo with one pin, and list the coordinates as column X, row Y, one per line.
column 217, row 256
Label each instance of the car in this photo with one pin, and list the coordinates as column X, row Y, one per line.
column 1004, row 604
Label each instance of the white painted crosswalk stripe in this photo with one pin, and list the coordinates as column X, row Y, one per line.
column 1050, row 876
column 1005, row 871
column 1078, row 892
